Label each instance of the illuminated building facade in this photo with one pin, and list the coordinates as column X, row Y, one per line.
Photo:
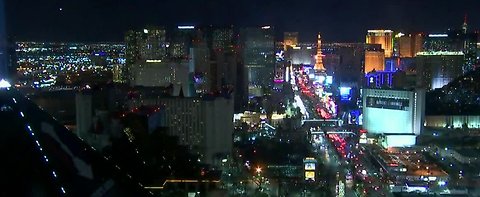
column 455, row 41
column 290, row 39
column 374, row 61
column 453, row 121
column 436, row 69
column 319, row 57
column 405, row 109
column 382, row 37
column 259, row 57
column 385, row 79
column 409, row 45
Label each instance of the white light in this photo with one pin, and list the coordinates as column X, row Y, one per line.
column 145, row 31
column 21, row 114
column 399, row 35
column 4, row 84
column 364, row 172
column 266, row 27
column 380, row 31
column 442, row 183
column 433, row 53
column 437, row 35
column 186, row 27
column 153, row 61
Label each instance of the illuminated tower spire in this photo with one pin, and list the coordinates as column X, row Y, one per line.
column 319, row 62
column 465, row 25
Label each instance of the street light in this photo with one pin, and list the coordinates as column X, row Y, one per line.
column 258, row 169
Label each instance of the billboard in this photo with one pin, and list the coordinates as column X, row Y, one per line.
column 310, row 166
column 345, row 93
column 310, row 175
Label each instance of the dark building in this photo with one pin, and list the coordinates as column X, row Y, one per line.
column 346, row 61
column 455, row 41
column 259, row 57
column 141, row 46
column 181, row 42
column 436, row 69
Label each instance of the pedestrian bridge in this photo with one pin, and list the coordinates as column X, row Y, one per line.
column 324, row 123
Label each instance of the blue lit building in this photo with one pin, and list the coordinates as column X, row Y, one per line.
column 379, row 79
column 385, row 79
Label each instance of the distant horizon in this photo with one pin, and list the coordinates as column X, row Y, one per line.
column 278, row 34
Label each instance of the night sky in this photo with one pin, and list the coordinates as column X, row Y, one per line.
column 338, row 20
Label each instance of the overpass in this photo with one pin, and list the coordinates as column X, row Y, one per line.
column 329, row 123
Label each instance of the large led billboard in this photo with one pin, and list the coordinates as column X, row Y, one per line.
column 345, row 93
column 392, row 111
column 309, row 166
column 384, row 119
column 398, row 141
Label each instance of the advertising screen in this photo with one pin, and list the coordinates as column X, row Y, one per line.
column 310, row 166
column 345, row 93
column 388, row 103
column 310, row 175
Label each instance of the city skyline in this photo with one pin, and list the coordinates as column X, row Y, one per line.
column 108, row 20
column 213, row 98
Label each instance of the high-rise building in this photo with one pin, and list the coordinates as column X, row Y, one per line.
column 319, row 57
column 222, row 38
column 290, row 39
column 155, row 73
column 133, row 43
column 259, row 57
column 181, row 42
column 147, row 46
column 409, row 45
column 374, row 61
column 84, row 113
column 346, row 61
column 406, row 114
column 455, row 41
column 382, row 37
column 154, row 45
column 203, row 125
column 436, row 69
column 302, row 53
